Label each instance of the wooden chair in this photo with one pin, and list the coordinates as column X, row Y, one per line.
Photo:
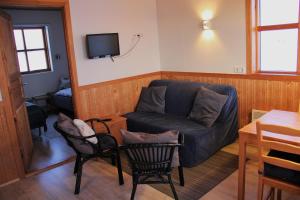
column 279, row 166
column 106, row 147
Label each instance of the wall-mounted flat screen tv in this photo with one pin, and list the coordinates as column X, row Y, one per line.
column 102, row 45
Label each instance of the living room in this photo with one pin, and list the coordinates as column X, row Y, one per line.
column 196, row 41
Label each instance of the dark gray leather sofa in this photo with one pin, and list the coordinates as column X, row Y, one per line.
column 200, row 142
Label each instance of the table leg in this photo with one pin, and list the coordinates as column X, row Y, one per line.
column 242, row 167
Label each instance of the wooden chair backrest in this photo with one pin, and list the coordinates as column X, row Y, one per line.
column 273, row 144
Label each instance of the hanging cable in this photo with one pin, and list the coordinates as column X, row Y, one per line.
column 131, row 49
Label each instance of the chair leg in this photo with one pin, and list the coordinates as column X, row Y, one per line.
column 134, row 186
column 278, row 194
column 260, row 190
column 78, row 159
column 172, row 187
column 272, row 194
column 119, row 166
column 78, row 178
column 181, row 177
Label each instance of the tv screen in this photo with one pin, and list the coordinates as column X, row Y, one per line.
column 101, row 45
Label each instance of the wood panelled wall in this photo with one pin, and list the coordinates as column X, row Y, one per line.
column 263, row 92
column 112, row 97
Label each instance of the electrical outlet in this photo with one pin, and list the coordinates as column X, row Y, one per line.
column 238, row 70
column 235, row 69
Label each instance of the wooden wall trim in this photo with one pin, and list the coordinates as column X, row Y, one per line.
column 261, row 92
column 114, row 97
column 260, row 76
column 33, row 3
column 71, row 57
column 118, row 81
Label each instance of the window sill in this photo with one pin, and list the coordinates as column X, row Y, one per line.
column 36, row 72
column 275, row 76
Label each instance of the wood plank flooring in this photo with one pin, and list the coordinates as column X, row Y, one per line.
column 100, row 182
column 48, row 149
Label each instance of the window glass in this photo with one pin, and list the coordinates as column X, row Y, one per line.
column 278, row 50
column 278, row 12
column 37, row 60
column 34, row 38
column 22, row 61
column 19, row 39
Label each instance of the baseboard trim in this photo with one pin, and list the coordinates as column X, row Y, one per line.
column 10, row 182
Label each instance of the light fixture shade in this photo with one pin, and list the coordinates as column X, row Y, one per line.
column 206, row 25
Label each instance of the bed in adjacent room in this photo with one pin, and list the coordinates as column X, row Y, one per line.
column 62, row 99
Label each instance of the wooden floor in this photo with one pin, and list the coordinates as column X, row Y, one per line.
column 100, row 182
column 48, row 149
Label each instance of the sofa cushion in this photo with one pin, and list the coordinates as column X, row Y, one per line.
column 159, row 138
column 207, row 106
column 152, row 100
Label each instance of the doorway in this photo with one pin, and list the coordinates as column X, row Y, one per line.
column 43, row 63
column 16, row 136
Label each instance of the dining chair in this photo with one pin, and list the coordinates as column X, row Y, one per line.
column 279, row 162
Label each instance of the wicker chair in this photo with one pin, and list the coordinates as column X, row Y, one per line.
column 107, row 146
column 152, row 164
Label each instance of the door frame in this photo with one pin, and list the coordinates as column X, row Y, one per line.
column 64, row 5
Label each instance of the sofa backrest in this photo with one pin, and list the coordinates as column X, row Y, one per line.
column 180, row 96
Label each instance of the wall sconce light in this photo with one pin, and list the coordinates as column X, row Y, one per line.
column 206, row 25
column 207, row 33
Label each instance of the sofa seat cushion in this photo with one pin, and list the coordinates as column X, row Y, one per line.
column 200, row 142
column 166, row 122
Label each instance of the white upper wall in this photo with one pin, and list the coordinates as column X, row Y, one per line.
column 127, row 17
column 183, row 46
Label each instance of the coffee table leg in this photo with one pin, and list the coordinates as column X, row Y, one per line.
column 242, row 167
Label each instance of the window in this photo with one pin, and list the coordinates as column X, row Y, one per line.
column 273, row 35
column 32, row 49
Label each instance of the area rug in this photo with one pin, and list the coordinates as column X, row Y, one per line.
column 200, row 179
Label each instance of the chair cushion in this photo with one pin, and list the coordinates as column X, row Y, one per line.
column 287, row 175
column 66, row 124
column 85, row 130
column 106, row 142
column 160, row 138
column 207, row 106
column 152, row 100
